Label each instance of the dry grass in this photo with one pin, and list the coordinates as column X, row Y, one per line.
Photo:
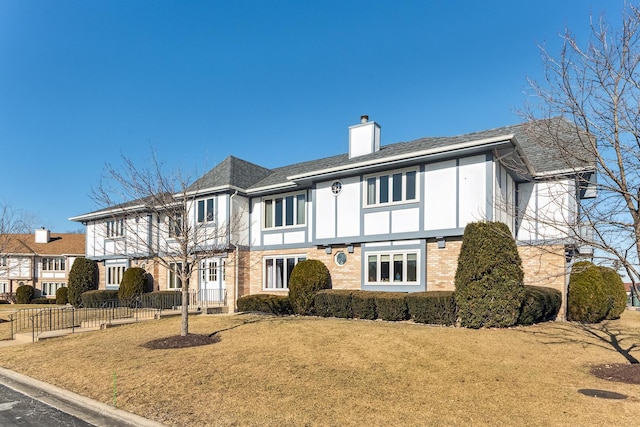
column 269, row 371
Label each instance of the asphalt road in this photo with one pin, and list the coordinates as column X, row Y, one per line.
column 17, row 409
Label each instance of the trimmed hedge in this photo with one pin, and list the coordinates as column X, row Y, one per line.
column 266, row 303
column 488, row 280
column 615, row 293
column 307, row 278
column 333, row 303
column 391, row 306
column 161, row 299
column 43, row 300
column 24, row 294
column 62, row 295
column 97, row 299
column 587, row 301
column 540, row 304
column 435, row 308
column 363, row 305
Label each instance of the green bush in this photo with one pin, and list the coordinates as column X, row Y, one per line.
column 99, row 298
column 587, row 301
column 161, row 300
column 135, row 281
column 333, row 303
column 24, row 294
column 43, row 300
column 434, row 307
column 62, row 295
column 4, row 301
column 83, row 277
column 540, row 304
column 266, row 303
column 615, row 293
column 391, row 306
column 488, row 280
column 307, row 278
column 363, row 305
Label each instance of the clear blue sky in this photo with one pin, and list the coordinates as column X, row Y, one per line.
column 272, row 82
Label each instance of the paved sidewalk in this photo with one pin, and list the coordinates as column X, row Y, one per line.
column 91, row 411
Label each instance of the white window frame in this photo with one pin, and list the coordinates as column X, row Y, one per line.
column 53, row 264
column 49, row 289
column 113, row 276
column 208, row 210
column 176, row 222
column 269, row 212
column 270, row 280
column 391, row 177
column 3, row 261
column 115, row 228
column 392, row 273
column 173, row 280
column 4, row 287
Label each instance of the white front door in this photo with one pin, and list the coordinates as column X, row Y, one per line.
column 212, row 278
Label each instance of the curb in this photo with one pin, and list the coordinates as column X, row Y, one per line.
column 89, row 410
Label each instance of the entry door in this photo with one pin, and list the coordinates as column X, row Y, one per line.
column 212, row 280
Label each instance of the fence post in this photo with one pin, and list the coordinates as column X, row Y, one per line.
column 11, row 325
column 73, row 320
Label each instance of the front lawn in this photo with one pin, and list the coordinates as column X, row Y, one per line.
column 268, row 371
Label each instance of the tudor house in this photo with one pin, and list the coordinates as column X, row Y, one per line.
column 42, row 260
column 381, row 217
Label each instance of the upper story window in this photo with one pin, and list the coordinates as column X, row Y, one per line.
column 115, row 228
column 205, row 210
column 285, row 211
column 391, row 188
column 175, row 225
column 53, row 264
column 3, row 261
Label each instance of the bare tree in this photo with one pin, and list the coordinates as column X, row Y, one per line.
column 589, row 101
column 179, row 243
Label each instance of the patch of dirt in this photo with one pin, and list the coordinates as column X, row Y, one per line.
column 620, row 372
column 178, row 341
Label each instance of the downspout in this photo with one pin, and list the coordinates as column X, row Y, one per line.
column 237, row 269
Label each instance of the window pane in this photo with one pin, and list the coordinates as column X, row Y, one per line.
column 209, row 209
column 291, row 262
column 371, row 191
column 373, row 268
column 397, row 267
column 269, row 274
column 200, row 210
column 301, row 209
column 278, row 212
column 384, row 268
column 412, row 267
column 397, row 187
column 289, row 210
column 268, row 213
column 411, row 185
column 279, row 273
column 384, row 188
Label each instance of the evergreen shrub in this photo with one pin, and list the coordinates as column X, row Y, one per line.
column 307, row 278
column 24, row 294
column 333, row 303
column 62, row 295
column 363, row 305
column 540, row 304
column 162, row 300
column 83, row 277
column 615, row 293
column 266, row 303
column 488, row 281
column 99, row 298
column 434, row 308
column 43, row 300
column 391, row 306
column 135, row 281
column 587, row 301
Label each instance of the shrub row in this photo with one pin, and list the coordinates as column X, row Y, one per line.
column 266, row 303
column 539, row 305
column 424, row 307
column 97, row 299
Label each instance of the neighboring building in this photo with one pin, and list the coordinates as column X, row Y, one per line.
column 387, row 218
column 42, row 260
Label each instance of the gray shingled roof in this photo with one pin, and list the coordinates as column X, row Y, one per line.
column 232, row 171
column 543, row 158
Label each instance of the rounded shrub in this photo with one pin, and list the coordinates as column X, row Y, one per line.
column 587, row 301
column 540, row 304
column 614, row 291
column 307, row 278
column 488, row 281
column 135, row 281
column 62, row 295
column 24, row 294
column 83, row 277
